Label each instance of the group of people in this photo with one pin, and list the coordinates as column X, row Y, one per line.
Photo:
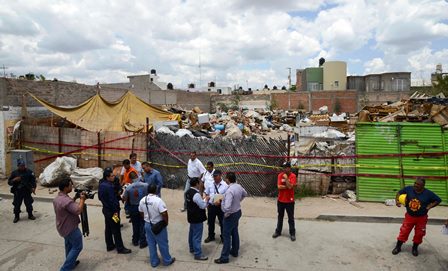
column 207, row 197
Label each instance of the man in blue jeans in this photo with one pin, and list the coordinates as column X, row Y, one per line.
column 153, row 210
column 67, row 219
column 196, row 217
column 231, row 207
column 132, row 196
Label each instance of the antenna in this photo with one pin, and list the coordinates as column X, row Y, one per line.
column 200, row 69
column 4, row 70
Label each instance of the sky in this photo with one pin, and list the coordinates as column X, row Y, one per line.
column 247, row 42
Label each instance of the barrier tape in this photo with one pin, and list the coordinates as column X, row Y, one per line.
column 301, row 166
column 175, row 153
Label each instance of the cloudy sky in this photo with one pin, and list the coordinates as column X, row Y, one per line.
column 245, row 42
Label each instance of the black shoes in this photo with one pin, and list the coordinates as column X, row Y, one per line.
column 111, row 248
column 397, row 248
column 209, row 239
column 16, row 219
column 293, row 238
column 415, row 249
column 172, row 261
column 77, row 263
column 276, row 234
column 124, row 251
column 143, row 245
column 201, row 258
column 31, row 217
column 221, row 261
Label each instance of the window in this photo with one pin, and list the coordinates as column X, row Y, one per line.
column 336, row 84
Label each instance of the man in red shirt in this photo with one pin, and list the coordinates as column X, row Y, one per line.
column 286, row 182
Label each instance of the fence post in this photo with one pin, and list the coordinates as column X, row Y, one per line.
column 59, row 140
column 99, row 149
column 289, row 147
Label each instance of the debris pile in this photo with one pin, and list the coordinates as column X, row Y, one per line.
column 418, row 108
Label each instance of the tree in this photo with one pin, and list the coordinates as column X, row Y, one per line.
column 30, row 76
column 441, row 84
column 41, row 77
column 293, row 88
column 337, row 106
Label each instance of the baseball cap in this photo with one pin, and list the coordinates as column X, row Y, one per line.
column 286, row 164
column 217, row 172
column 20, row 162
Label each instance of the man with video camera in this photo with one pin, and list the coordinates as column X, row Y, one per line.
column 67, row 220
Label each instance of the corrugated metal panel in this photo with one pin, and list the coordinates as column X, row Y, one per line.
column 395, row 138
column 374, row 138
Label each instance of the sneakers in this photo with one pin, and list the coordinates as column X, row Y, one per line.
column 209, row 239
column 201, row 258
column 275, row 235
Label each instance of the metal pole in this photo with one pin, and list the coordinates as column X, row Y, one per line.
column 147, row 139
column 99, row 149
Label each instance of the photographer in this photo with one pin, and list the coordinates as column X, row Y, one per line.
column 67, row 219
column 111, row 211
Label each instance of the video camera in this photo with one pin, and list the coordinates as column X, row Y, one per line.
column 87, row 191
column 84, row 218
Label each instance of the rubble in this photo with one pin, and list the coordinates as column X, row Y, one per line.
column 418, row 108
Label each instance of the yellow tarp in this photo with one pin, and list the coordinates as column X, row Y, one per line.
column 128, row 113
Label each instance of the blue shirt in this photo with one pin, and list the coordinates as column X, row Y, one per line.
column 233, row 196
column 416, row 203
column 154, row 177
column 108, row 197
column 135, row 192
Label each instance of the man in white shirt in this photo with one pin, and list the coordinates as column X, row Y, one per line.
column 217, row 187
column 195, row 170
column 207, row 178
column 154, row 210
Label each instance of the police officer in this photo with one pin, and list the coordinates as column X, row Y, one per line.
column 132, row 195
column 111, row 210
column 23, row 183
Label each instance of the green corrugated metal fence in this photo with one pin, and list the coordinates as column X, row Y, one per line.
column 400, row 138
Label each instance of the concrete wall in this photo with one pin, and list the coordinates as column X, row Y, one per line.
column 335, row 75
column 312, row 101
column 58, row 93
column 376, row 98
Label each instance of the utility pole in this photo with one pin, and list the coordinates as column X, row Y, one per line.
column 289, row 88
column 4, row 70
column 289, row 78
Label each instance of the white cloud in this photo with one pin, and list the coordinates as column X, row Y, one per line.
column 253, row 40
column 375, row 65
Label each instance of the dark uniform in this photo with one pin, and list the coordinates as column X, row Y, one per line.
column 22, row 190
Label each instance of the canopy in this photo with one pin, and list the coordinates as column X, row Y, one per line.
column 128, row 113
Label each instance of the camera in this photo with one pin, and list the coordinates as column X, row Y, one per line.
column 87, row 191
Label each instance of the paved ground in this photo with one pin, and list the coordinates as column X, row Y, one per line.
column 320, row 245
